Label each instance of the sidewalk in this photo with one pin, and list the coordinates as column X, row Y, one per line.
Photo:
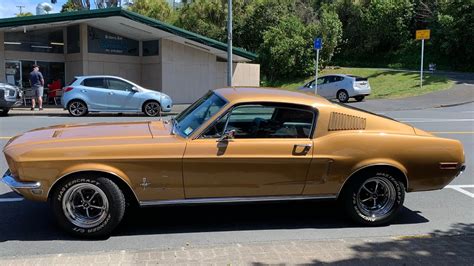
column 411, row 250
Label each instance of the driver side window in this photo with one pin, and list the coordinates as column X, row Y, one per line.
column 262, row 121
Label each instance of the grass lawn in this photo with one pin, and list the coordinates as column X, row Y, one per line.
column 384, row 83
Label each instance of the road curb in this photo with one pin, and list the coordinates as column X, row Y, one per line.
column 454, row 104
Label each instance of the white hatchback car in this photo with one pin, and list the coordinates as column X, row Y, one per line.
column 341, row 87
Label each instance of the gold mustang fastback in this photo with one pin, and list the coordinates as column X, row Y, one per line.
column 232, row 145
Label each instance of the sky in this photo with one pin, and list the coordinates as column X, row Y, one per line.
column 8, row 8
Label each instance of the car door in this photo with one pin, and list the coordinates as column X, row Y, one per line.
column 95, row 92
column 324, row 86
column 337, row 84
column 269, row 155
column 122, row 96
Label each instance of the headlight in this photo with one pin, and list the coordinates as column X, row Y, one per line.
column 9, row 93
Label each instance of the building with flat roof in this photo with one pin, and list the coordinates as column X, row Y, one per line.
column 118, row 42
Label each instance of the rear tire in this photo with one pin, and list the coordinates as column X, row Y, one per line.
column 77, row 108
column 359, row 98
column 342, row 96
column 88, row 205
column 373, row 198
column 152, row 108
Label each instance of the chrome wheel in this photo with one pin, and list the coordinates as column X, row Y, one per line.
column 376, row 197
column 77, row 108
column 152, row 108
column 85, row 205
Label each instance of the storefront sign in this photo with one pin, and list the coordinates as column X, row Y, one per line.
column 103, row 42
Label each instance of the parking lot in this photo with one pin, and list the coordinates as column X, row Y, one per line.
column 28, row 228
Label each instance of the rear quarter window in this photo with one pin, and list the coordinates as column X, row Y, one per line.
column 71, row 82
column 94, row 82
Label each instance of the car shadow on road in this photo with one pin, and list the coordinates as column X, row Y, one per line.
column 33, row 221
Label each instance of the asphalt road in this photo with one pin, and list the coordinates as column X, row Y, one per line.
column 28, row 228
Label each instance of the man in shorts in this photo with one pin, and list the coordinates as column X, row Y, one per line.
column 37, row 84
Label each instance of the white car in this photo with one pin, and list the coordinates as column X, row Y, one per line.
column 341, row 87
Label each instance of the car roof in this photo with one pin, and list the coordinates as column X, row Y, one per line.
column 98, row 76
column 257, row 94
column 338, row 75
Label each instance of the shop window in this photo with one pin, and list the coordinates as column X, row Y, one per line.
column 103, row 42
column 43, row 41
column 151, row 48
column 73, row 39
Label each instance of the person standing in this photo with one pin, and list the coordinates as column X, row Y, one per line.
column 37, row 84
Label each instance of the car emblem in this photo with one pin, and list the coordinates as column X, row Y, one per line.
column 145, row 183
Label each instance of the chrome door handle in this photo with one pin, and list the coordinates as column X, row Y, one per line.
column 111, row 93
column 83, row 91
column 304, row 145
column 298, row 151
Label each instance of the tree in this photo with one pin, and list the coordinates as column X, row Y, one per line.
column 266, row 14
column 286, row 51
column 157, row 9
column 452, row 35
column 73, row 5
column 25, row 14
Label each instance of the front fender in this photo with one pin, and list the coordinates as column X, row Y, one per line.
column 91, row 167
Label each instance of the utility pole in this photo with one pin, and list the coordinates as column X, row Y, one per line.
column 229, row 43
column 21, row 9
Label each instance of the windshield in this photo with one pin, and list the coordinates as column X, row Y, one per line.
column 196, row 114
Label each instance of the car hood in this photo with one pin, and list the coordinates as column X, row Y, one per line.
column 90, row 132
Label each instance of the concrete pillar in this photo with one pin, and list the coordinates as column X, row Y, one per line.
column 84, row 48
column 2, row 57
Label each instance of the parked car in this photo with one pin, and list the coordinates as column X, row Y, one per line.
column 340, row 87
column 232, row 145
column 10, row 96
column 112, row 94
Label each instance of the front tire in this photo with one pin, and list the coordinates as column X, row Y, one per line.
column 152, row 108
column 88, row 206
column 77, row 108
column 342, row 96
column 373, row 198
column 4, row 111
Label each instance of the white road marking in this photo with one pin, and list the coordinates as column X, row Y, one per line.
column 10, row 199
column 415, row 120
column 460, row 189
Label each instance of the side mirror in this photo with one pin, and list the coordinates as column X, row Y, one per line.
column 229, row 134
column 135, row 89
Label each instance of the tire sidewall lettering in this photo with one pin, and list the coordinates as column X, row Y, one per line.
column 68, row 185
column 398, row 200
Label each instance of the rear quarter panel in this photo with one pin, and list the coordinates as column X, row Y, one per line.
column 338, row 155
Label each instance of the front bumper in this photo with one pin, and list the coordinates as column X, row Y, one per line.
column 9, row 103
column 166, row 105
column 15, row 184
column 461, row 170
